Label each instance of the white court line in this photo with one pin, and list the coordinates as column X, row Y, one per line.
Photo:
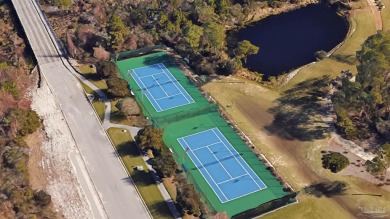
column 160, row 87
column 220, row 163
column 206, row 172
column 159, row 65
column 158, row 73
column 167, row 97
column 205, row 146
column 232, row 179
column 239, row 161
column 147, row 90
column 198, row 133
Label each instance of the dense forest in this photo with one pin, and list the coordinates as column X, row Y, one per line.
column 363, row 105
column 17, row 120
column 196, row 29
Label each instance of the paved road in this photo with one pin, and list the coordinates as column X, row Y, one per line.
column 116, row 196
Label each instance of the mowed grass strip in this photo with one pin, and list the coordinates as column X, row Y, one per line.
column 128, row 152
column 97, row 104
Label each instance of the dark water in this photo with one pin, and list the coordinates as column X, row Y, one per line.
column 289, row 40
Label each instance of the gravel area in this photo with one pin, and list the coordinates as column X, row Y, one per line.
column 67, row 195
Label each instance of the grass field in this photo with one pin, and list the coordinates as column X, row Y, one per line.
column 291, row 145
column 130, row 156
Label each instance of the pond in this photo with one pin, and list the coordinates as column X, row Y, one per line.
column 290, row 40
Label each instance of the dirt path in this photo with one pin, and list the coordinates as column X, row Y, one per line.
column 376, row 13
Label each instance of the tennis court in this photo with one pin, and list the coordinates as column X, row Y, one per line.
column 160, row 87
column 221, row 165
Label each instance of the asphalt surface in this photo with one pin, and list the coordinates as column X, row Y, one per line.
column 111, row 192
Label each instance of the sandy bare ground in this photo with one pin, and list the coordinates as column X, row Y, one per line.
column 376, row 13
column 50, row 164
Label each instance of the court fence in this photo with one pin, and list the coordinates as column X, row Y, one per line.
column 137, row 52
column 163, row 121
column 266, row 207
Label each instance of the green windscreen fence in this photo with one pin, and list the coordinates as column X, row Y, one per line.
column 137, row 52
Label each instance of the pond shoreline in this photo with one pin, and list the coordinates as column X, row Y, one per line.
column 290, row 40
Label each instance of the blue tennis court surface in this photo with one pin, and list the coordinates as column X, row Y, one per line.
column 160, row 87
column 221, row 165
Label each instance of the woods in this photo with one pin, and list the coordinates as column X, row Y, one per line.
column 196, row 30
column 363, row 106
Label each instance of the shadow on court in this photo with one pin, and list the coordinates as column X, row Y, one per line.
column 151, row 60
column 297, row 114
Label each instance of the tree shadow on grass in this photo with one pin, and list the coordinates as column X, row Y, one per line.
column 160, row 209
column 298, row 112
column 93, row 77
column 327, row 189
column 128, row 148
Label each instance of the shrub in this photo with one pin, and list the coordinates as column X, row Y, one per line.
column 42, row 198
column 128, row 107
column 320, row 54
column 334, row 161
column 376, row 166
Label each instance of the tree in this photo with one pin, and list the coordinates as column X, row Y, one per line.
column 165, row 164
column 214, row 36
column 106, row 69
column 117, row 87
column 128, row 107
column 244, row 49
column 63, row 3
column 192, row 36
column 188, row 199
column 150, row 137
column 118, row 32
column 334, row 161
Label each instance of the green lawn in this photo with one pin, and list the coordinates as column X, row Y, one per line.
column 99, row 107
column 87, row 89
column 364, row 25
column 91, row 75
column 130, row 156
